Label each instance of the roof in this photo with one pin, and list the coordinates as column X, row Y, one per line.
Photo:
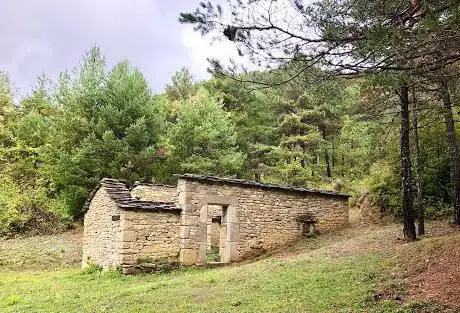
column 254, row 184
column 137, row 184
column 119, row 193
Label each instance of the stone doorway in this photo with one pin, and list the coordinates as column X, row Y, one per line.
column 220, row 233
column 214, row 245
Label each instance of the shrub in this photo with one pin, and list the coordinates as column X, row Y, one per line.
column 437, row 209
column 28, row 212
column 91, row 268
column 383, row 183
column 13, row 299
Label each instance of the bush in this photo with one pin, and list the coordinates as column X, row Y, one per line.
column 29, row 212
column 383, row 183
column 91, row 268
column 437, row 209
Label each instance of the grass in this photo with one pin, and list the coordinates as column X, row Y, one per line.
column 330, row 273
column 275, row 286
column 48, row 252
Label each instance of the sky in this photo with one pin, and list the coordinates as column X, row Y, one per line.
column 49, row 36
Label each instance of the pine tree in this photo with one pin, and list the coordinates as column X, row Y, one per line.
column 203, row 140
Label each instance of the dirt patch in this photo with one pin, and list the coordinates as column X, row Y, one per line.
column 436, row 274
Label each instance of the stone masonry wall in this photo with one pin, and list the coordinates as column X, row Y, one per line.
column 256, row 220
column 149, row 237
column 102, row 232
column 248, row 222
column 155, row 193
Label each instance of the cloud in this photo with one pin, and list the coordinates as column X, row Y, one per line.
column 201, row 48
column 49, row 36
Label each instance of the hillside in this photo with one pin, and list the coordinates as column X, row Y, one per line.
column 357, row 270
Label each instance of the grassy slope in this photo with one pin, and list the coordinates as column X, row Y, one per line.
column 332, row 273
column 41, row 252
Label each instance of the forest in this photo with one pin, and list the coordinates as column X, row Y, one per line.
column 366, row 105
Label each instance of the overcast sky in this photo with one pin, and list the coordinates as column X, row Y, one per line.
column 49, row 36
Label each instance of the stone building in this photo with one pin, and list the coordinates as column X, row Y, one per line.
column 204, row 219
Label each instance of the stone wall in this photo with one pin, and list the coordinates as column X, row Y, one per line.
column 244, row 220
column 155, row 193
column 149, row 237
column 102, row 232
column 254, row 219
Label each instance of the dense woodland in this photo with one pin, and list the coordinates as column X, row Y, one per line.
column 367, row 105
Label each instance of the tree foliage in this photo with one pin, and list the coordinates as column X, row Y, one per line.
column 203, row 139
column 404, row 40
column 313, row 130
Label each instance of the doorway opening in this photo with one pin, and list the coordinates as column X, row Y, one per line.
column 218, row 232
column 214, row 244
column 215, row 233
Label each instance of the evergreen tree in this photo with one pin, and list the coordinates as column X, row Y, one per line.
column 8, row 118
column 204, row 139
column 109, row 127
column 182, row 86
column 255, row 115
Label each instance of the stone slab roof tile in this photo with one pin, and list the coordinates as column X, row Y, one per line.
column 254, row 184
column 119, row 193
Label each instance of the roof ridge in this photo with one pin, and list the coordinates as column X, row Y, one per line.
column 237, row 181
column 137, row 183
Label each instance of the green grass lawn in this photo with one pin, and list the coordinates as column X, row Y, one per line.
column 326, row 285
column 332, row 273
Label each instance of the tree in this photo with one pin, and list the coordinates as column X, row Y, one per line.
column 182, row 86
column 26, row 205
column 352, row 37
column 204, row 139
column 32, row 130
column 296, row 159
column 420, row 212
column 255, row 116
column 8, row 118
column 453, row 149
column 110, row 126
column 309, row 124
column 322, row 104
column 408, row 215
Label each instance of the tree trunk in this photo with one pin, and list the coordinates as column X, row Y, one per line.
column 328, row 165
column 420, row 212
column 333, row 155
column 408, row 215
column 453, row 150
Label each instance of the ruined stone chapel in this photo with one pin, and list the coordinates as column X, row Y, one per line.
column 203, row 219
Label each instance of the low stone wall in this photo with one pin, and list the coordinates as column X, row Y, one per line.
column 255, row 219
column 155, row 193
column 102, row 232
column 149, row 237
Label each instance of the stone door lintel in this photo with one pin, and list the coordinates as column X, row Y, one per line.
column 219, row 200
